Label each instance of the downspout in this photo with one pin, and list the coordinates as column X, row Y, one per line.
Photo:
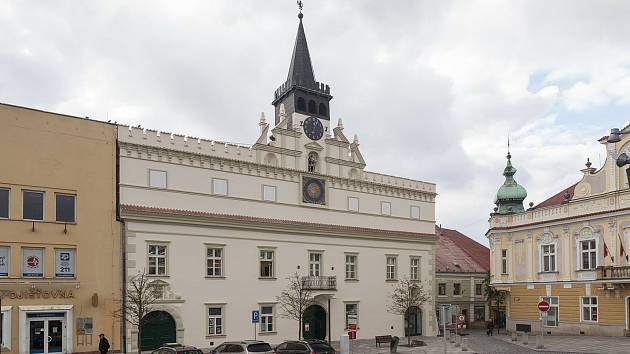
column 329, row 314
column 123, row 258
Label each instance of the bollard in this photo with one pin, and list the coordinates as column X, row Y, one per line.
column 539, row 342
column 344, row 343
column 525, row 338
column 464, row 344
column 514, row 336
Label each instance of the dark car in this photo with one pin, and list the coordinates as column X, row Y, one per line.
column 305, row 347
column 176, row 348
column 245, row 347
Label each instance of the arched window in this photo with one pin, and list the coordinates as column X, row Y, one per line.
column 312, row 107
column 301, row 104
column 322, row 110
column 312, row 161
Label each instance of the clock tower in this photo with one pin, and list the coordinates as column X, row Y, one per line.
column 301, row 95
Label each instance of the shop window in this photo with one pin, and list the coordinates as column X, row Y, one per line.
column 65, row 263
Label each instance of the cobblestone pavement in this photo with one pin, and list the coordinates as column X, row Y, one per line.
column 579, row 344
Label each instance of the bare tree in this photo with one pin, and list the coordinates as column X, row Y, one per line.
column 140, row 299
column 295, row 299
column 406, row 294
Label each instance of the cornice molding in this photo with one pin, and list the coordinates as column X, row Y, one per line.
column 345, row 162
column 278, row 150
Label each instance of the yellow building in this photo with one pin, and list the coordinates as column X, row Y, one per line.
column 59, row 239
column 569, row 250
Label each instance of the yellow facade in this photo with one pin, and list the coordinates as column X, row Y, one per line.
column 59, row 156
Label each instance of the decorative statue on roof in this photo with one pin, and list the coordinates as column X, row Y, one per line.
column 510, row 195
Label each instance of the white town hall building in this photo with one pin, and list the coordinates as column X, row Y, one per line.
column 220, row 226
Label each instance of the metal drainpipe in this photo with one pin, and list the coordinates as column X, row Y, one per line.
column 329, row 314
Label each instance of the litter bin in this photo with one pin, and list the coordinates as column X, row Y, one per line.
column 393, row 344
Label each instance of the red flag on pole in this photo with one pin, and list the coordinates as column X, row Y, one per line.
column 607, row 252
column 622, row 251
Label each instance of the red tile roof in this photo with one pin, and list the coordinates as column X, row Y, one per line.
column 458, row 253
column 253, row 220
column 557, row 199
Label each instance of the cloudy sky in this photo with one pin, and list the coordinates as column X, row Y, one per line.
column 432, row 88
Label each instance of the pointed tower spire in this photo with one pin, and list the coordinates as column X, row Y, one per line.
column 301, row 69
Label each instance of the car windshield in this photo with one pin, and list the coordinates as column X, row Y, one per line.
column 259, row 347
column 321, row 347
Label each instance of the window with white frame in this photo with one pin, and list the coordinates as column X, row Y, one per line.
column 504, row 261
column 157, row 259
column 32, row 205
column 214, row 261
column 351, row 266
column 414, row 272
column 589, row 309
column 269, row 193
column 157, row 179
column 552, row 318
column 4, row 203
column 442, row 289
column 353, row 204
column 314, row 264
column 266, row 318
column 548, row 258
column 391, row 268
column 588, row 254
column 215, row 320
column 352, row 314
column 386, row 208
column 219, row 186
column 5, row 252
column 415, row 212
column 266, row 263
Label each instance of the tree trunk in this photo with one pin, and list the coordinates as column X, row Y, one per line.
column 300, row 328
column 139, row 340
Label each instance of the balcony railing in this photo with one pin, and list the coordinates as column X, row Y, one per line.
column 613, row 273
column 320, row 283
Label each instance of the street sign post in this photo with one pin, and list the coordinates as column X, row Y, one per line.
column 543, row 307
column 255, row 319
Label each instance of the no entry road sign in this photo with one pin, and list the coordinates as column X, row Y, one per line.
column 543, row 306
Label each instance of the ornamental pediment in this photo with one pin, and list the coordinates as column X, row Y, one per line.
column 313, row 145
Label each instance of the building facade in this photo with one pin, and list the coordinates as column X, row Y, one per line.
column 461, row 268
column 60, row 274
column 220, row 227
column 569, row 250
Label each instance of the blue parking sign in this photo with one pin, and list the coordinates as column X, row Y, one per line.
column 255, row 316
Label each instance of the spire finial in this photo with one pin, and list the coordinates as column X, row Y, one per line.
column 509, row 156
column 300, row 4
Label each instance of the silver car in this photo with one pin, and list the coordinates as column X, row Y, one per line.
column 246, row 346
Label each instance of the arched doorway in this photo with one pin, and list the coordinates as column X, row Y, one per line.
column 314, row 322
column 157, row 328
column 413, row 321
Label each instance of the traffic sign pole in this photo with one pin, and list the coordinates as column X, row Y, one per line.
column 543, row 307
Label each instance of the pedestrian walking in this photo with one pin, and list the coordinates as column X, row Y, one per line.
column 103, row 344
column 489, row 327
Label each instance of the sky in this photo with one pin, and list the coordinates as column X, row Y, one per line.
column 433, row 89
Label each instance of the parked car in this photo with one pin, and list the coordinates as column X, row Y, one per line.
column 246, row 346
column 176, row 348
column 309, row 346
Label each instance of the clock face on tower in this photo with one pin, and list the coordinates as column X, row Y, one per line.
column 313, row 128
column 313, row 190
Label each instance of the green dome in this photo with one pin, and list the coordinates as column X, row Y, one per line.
column 510, row 196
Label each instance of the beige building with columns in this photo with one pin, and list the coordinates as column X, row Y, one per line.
column 569, row 250
column 60, row 274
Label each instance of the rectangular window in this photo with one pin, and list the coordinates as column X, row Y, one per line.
column 32, row 262
column 589, row 254
column 552, row 317
column 457, row 289
column 415, row 212
column 32, row 205
column 548, row 258
column 266, row 318
column 392, row 265
column 4, row 203
column 4, row 261
column 478, row 289
column 442, row 289
column 414, row 272
column 351, row 266
column 219, row 186
column 352, row 315
column 266, row 263
column 353, row 204
column 314, row 264
column 269, row 193
column 157, row 179
column 214, row 262
column 504, row 261
column 589, row 309
column 64, row 263
column 386, row 208
column 215, row 320
column 157, row 260
column 480, row 313
column 65, row 207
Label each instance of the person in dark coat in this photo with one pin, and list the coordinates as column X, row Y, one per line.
column 489, row 327
column 103, row 344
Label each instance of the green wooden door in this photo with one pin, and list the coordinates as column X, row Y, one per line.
column 314, row 322
column 158, row 327
column 413, row 322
